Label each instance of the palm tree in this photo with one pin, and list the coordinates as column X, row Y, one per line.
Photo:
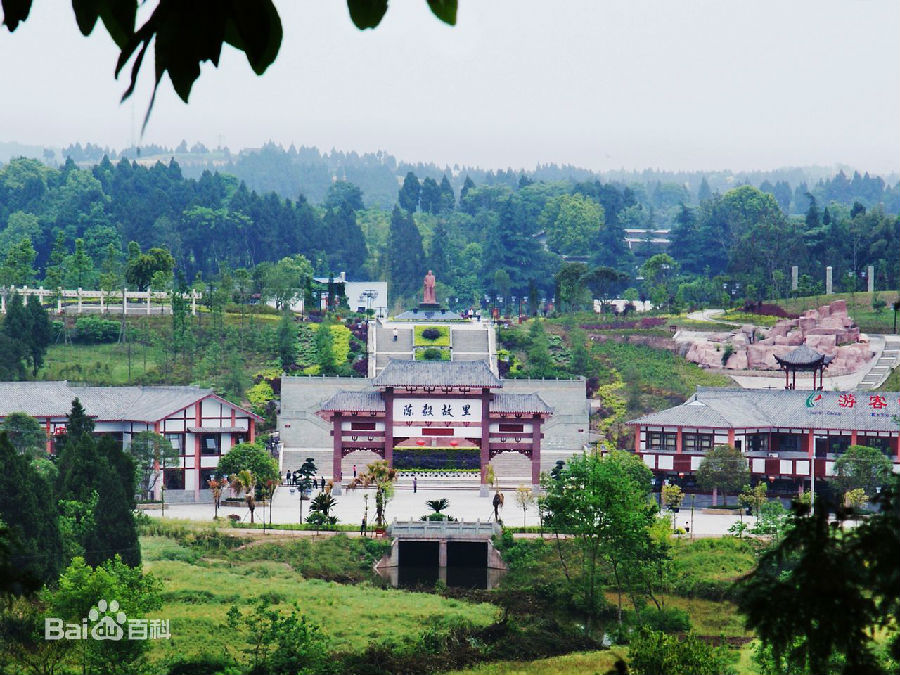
column 244, row 481
column 216, row 486
column 382, row 476
column 320, row 509
column 438, row 505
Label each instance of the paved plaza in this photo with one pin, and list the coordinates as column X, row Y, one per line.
column 465, row 504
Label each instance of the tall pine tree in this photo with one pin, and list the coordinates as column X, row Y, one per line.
column 409, row 193
column 87, row 467
column 28, row 508
column 406, row 257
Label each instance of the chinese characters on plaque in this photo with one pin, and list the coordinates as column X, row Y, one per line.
column 437, row 410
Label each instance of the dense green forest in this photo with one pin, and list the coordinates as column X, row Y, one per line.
column 505, row 234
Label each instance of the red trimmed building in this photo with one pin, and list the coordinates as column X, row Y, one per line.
column 428, row 406
column 785, row 435
column 200, row 424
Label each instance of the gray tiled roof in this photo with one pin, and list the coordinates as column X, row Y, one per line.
column 803, row 356
column 400, row 373
column 354, row 401
column 520, row 403
column 749, row 408
column 54, row 399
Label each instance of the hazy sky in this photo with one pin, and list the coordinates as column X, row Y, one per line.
column 604, row 84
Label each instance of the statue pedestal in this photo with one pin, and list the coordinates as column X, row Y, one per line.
column 429, row 306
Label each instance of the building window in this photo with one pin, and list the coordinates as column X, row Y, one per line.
column 788, row 443
column 206, row 475
column 883, row 444
column 758, row 442
column 209, row 444
column 838, row 444
column 174, row 479
column 696, row 442
column 659, row 440
column 177, row 442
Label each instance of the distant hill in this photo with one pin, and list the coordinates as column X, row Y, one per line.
column 292, row 171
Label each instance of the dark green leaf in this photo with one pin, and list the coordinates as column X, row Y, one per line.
column 445, row 10
column 119, row 17
column 366, row 13
column 86, row 14
column 254, row 27
column 14, row 12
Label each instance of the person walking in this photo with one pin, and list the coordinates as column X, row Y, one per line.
column 415, row 485
column 395, row 334
column 354, row 470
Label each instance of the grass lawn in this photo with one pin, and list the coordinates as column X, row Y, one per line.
column 583, row 663
column 421, row 352
column 198, row 591
column 748, row 317
column 859, row 306
column 893, row 381
column 442, row 340
column 655, row 378
column 105, row 364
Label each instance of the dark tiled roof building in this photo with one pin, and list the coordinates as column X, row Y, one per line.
column 785, row 435
column 436, row 405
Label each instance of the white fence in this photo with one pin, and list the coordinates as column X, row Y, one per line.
column 83, row 301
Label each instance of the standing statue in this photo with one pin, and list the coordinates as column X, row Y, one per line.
column 428, row 296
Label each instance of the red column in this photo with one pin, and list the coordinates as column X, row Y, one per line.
column 485, row 435
column 198, row 419
column 853, row 437
column 898, row 448
column 637, row 439
column 337, row 454
column 389, row 426
column 536, row 450
column 678, row 441
column 251, row 426
column 731, row 437
column 49, row 442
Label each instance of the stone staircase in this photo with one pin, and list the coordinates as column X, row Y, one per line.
column 887, row 361
column 387, row 349
column 470, row 344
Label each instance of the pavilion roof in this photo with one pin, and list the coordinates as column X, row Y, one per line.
column 437, row 374
column 804, row 357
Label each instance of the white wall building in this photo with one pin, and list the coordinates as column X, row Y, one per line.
column 200, row 424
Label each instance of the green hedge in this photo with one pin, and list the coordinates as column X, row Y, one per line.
column 92, row 330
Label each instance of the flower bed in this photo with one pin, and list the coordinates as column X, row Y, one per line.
column 441, row 339
column 432, row 353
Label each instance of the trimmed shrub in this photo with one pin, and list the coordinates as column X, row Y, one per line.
column 93, row 330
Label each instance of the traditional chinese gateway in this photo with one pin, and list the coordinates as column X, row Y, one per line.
column 785, row 435
column 421, row 407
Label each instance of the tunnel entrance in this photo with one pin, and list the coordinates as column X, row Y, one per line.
column 467, row 554
column 418, row 553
